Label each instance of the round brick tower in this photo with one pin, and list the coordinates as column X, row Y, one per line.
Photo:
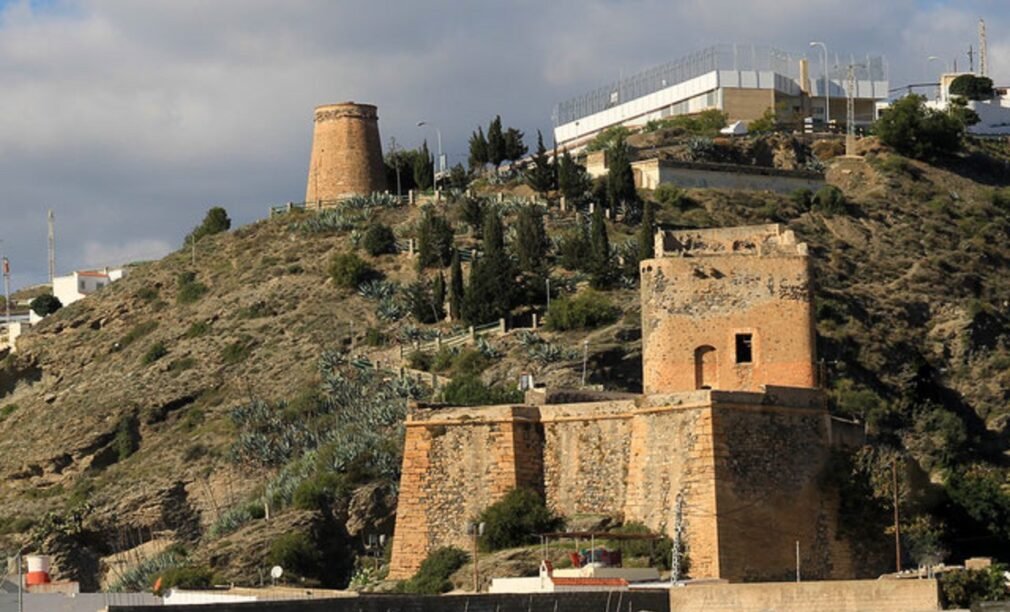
column 346, row 152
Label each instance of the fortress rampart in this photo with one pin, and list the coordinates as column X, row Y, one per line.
column 740, row 434
column 346, row 154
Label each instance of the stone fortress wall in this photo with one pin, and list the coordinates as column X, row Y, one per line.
column 346, row 154
column 746, row 456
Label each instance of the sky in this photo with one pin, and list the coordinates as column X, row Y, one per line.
column 130, row 118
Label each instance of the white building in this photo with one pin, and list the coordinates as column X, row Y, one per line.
column 741, row 80
column 994, row 114
column 78, row 285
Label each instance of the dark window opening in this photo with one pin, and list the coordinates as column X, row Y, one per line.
column 744, row 348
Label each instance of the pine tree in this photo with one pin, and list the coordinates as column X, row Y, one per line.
column 620, row 178
column 478, row 150
column 495, row 142
column 646, row 233
column 599, row 251
column 423, row 167
column 456, row 288
column 514, row 147
column 438, row 296
column 540, row 176
column 531, row 241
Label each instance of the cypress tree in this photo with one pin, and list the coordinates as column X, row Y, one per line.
column 573, row 182
column 423, row 167
column 495, row 142
column 478, row 149
column 456, row 288
column 531, row 240
column 514, row 146
column 599, row 251
column 540, row 176
column 646, row 233
column 491, row 290
column 620, row 178
column 438, row 296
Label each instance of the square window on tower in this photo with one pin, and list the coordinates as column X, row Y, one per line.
column 744, row 348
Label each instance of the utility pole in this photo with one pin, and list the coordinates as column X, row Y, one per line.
column 797, row 560
column 52, row 246
column 7, row 291
column 850, row 113
column 897, row 525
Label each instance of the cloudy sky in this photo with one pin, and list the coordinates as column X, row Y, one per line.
column 129, row 118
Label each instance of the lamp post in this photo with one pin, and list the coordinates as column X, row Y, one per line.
column 939, row 87
column 827, row 84
column 435, row 169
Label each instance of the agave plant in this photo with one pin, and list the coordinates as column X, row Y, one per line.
column 390, row 309
column 377, row 289
column 485, row 348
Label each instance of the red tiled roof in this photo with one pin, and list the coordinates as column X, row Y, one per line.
column 92, row 273
column 589, row 581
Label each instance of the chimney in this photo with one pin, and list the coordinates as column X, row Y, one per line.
column 805, row 76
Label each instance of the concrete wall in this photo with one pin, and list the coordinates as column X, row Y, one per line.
column 346, row 154
column 697, row 303
column 652, row 173
column 656, row 601
column 81, row 602
column 746, row 104
column 836, row 596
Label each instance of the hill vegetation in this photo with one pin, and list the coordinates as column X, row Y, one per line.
column 216, row 405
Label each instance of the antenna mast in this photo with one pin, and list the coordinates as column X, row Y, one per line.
column 850, row 113
column 52, row 246
column 983, row 50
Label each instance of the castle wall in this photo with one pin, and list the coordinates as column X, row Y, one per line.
column 748, row 466
column 346, row 154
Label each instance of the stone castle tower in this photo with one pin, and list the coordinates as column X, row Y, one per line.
column 727, row 309
column 730, row 440
column 346, row 153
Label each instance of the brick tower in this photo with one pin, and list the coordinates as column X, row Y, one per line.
column 727, row 309
column 346, row 153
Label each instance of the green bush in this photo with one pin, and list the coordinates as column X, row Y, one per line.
column 972, row 87
column 585, row 310
column 829, row 200
column 127, row 439
column 432, row 578
column 179, row 365
column 198, row 329
column 419, row 360
column 376, row 337
column 45, row 305
column 669, row 195
column 215, row 222
column 148, row 294
column 7, row 410
column 136, row 332
column 297, row 553
column 189, row 289
column 964, row 589
column 348, row 270
column 237, row 352
column 15, row 525
column 516, row 520
column 379, row 240
column 320, row 491
column 916, row 131
column 471, row 391
column 705, row 123
column 658, row 551
column 155, row 352
column 763, row 124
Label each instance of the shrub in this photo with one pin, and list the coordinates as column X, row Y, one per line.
column 127, row 439
column 658, row 551
column 585, row 310
column 669, row 195
column 605, row 139
column 189, row 289
column 432, row 578
column 471, row 391
column 379, row 240
column 155, row 352
column 972, row 87
column 320, row 491
column 7, row 410
column 376, row 337
column 916, row 131
column 138, row 331
column 215, row 222
column 765, row 123
column 419, row 360
column 236, row 352
column 148, row 294
column 179, row 365
column 296, row 552
column 45, row 305
column 964, row 589
column 829, row 200
column 348, row 270
column 434, row 240
column 198, row 329
column 516, row 520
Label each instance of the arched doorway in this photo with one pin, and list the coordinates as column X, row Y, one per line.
column 705, row 367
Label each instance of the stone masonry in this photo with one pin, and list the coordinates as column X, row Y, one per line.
column 746, row 451
column 346, row 154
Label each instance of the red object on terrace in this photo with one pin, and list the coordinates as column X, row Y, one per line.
column 34, row 578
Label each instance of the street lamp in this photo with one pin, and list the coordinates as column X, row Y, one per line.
column 434, row 171
column 933, row 58
column 827, row 84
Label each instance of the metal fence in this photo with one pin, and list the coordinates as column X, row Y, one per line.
column 717, row 57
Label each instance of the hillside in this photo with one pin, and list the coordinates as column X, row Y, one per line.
column 118, row 412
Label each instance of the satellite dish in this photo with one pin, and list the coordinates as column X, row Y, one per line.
column 276, row 572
